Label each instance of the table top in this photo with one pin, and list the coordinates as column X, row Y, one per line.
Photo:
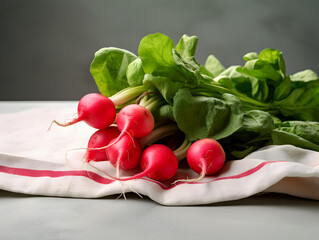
column 265, row 216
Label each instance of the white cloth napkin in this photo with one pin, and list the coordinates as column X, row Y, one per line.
column 33, row 161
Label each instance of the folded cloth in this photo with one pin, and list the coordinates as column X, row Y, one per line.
column 36, row 161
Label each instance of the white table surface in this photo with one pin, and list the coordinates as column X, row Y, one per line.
column 271, row 216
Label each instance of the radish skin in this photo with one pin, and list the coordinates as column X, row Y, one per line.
column 205, row 157
column 135, row 120
column 95, row 110
column 100, row 139
column 125, row 153
column 158, row 162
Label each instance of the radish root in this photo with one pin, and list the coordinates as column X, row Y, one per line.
column 68, row 162
column 115, row 141
column 122, row 193
column 76, row 119
column 59, row 124
column 201, row 176
column 85, row 161
column 100, row 170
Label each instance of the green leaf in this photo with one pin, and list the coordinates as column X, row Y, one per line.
column 298, row 133
column 254, row 134
column 304, row 76
column 214, row 66
column 237, row 81
column 201, row 117
column 248, row 85
column 275, row 58
column 306, row 129
column 230, row 71
column 224, row 81
column 164, row 113
column 259, row 89
column 271, row 56
column 256, row 125
column 155, row 51
column 283, row 90
column 109, row 69
column 257, row 121
column 250, row 56
column 260, row 69
column 188, row 70
column 301, row 103
column 135, row 73
column 265, row 75
column 160, row 58
column 187, row 46
column 303, row 79
column 205, row 73
column 164, row 85
column 282, row 66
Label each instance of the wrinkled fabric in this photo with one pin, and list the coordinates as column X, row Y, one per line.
column 36, row 161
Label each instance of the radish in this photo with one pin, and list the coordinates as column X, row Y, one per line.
column 135, row 120
column 158, row 162
column 100, row 139
column 95, row 109
column 125, row 153
column 206, row 157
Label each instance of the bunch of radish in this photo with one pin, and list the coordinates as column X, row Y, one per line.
column 118, row 140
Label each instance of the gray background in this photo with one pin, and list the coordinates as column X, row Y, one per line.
column 46, row 47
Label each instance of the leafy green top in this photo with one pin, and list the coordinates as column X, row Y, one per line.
column 245, row 107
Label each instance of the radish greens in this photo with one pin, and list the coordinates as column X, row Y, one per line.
column 245, row 106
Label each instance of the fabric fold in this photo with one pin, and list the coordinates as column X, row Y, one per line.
column 33, row 161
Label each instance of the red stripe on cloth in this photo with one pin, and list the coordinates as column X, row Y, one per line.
column 54, row 174
column 99, row 179
column 247, row 173
column 237, row 176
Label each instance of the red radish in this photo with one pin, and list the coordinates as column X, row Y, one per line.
column 96, row 110
column 158, row 162
column 135, row 120
column 206, row 157
column 100, row 139
column 125, row 153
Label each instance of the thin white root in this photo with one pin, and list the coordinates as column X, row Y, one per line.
column 59, row 124
column 117, row 169
column 88, row 172
column 84, row 160
column 112, row 143
column 130, row 137
column 135, row 191
column 49, row 128
column 201, row 176
column 68, row 162
column 123, row 191
column 121, row 194
column 100, row 170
